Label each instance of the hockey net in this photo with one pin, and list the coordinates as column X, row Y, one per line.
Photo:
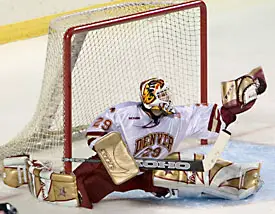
column 98, row 58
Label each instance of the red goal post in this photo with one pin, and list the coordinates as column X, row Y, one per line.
column 67, row 58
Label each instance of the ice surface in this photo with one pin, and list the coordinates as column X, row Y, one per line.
column 133, row 200
column 240, row 37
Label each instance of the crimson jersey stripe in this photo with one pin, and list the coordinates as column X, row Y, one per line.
column 91, row 136
column 214, row 124
column 96, row 134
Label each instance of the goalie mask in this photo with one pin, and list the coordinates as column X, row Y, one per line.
column 155, row 95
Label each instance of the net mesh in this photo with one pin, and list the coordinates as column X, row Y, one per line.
column 107, row 66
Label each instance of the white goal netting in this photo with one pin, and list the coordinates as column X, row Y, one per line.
column 107, row 64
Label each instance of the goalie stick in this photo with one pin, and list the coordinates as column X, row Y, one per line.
column 184, row 165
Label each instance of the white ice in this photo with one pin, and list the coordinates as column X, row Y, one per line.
column 240, row 37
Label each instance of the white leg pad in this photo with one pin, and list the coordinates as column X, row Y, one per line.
column 225, row 180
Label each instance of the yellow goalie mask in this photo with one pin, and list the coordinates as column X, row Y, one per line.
column 155, row 95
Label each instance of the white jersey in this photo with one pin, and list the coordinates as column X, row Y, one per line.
column 147, row 139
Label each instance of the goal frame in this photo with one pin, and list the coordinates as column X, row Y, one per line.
column 67, row 43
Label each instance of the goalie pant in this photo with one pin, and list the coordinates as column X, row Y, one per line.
column 225, row 180
column 94, row 183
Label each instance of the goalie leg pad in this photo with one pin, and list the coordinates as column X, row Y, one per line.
column 225, row 180
column 49, row 186
column 15, row 172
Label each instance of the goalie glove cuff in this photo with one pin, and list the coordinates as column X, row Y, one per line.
column 227, row 116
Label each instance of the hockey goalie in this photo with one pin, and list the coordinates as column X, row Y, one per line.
column 154, row 129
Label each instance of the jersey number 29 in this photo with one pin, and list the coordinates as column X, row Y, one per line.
column 102, row 123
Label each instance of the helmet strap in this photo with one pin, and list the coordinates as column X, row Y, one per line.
column 154, row 114
column 155, row 118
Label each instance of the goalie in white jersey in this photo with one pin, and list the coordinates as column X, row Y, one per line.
column 146, row 130
column 154, row 128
